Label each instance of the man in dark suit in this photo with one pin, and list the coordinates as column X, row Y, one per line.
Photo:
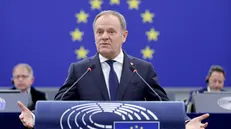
column 111, row 77
column 95, row 87
column 215, row 83
column 23, row 78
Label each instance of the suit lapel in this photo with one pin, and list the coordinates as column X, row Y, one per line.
column 125, row 77
column 33, row 94
column 98, row 76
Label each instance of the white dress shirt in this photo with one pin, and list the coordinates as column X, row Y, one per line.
column 28, row 92
column 118, row 65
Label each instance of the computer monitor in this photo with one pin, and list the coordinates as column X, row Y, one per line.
column 9, row 99
column 213, row 102
column 9, row 91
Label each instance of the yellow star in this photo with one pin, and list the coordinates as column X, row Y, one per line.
column 147, row 16
column 76, row 35
column 133, row 4
column 114, row 2
column 141, row 127
column 96, row 4
column 136, row 126
column 131, row 127
column 152, row 34
column 82, row 16
column 81, row 53
column 147, row 52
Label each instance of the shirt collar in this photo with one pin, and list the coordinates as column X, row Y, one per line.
column 27, row 91
column 119, row 58
column 211, row 90
column 208, row 89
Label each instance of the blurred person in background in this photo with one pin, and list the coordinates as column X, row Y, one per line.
column 22, row 79
column 215, row 83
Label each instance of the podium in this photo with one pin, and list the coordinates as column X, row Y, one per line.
column 109, row 115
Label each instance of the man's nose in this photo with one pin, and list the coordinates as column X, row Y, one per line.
column 105, row 36
column 20, row 78
column 217, row 84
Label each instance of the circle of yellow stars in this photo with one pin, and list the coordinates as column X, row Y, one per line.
column 82, row 18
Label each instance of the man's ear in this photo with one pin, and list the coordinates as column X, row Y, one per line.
column 124, row 36
column 207, row 79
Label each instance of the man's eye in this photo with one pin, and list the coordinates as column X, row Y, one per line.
column 111, row 32
column 99, row 32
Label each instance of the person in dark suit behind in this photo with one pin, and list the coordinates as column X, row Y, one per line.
column 215, row 83
column 23, row 79
column 111, row 75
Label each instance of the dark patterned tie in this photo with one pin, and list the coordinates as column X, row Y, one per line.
column 113, row 80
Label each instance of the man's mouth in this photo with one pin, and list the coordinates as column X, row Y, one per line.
column 105, row 43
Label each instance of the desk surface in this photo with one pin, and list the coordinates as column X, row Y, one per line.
column 216, row 121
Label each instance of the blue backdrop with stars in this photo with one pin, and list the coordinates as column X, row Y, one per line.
column 181, row 38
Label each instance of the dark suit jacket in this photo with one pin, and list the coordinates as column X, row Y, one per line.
column 93, row 87
column 35, row 96
column 189, row 104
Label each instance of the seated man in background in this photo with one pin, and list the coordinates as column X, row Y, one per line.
column 215, row 83
column 23, row 79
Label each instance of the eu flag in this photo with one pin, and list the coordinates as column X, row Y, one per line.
column 136, row 125
column 179, row 37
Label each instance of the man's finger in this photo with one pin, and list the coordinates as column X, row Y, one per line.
column 21, row 116
column 204, row 125
column 202, row 117
column 22, row 121
column 22, row 106
column 25, row 124
column 30, row 125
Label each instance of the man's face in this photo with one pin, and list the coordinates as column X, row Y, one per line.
column 109, row 36
column 216, row 80
column 22, row 79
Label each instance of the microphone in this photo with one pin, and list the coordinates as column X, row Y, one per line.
column 89, row 69
column 133, row 69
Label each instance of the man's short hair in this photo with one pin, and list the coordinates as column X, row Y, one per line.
column 214, row 68
column 111, row 12
column 27, row 66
